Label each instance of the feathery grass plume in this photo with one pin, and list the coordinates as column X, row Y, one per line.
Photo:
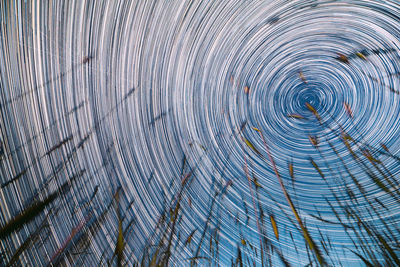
column 216, row 241
column 239, row 257
column 313, row 140
column 373, row 233
column 306, row 235
column 232, row 79
column 278, row 204
column 385, row 151
column 184, row 163
column 311, row 108
column 374, row 163
column 190, row 237
column 185, row 178
column 302, row 77
column 211, row 246
column 291, row 170
column 369, row 156
column 384, row 147
column 368, row 250
column 256, row 183
column 55, row 259
column 119, row 247
column 274, row 226
column 314, row 112
column 388, row 249
column 32, row 238
column 114, row 202
column 153, row 262
column 354, row 179
column 348, row 109
column 246, row 170
column 364, row 241
column 26, row 216
column 227, row 185
column 342, row 58
column 175, row 221
column 167, row 229
column 261, row 218
column 390, row 234
column 360, row 142
column 295, row 116
column 250, row 145
column 361, row 55
column 369, row 172
column 317, row 168
column 391, row 177
column 209, row 217
column 82, row 242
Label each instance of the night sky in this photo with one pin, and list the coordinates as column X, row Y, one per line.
column 192, row 113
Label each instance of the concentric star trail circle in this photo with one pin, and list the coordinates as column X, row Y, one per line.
column 132, row 88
